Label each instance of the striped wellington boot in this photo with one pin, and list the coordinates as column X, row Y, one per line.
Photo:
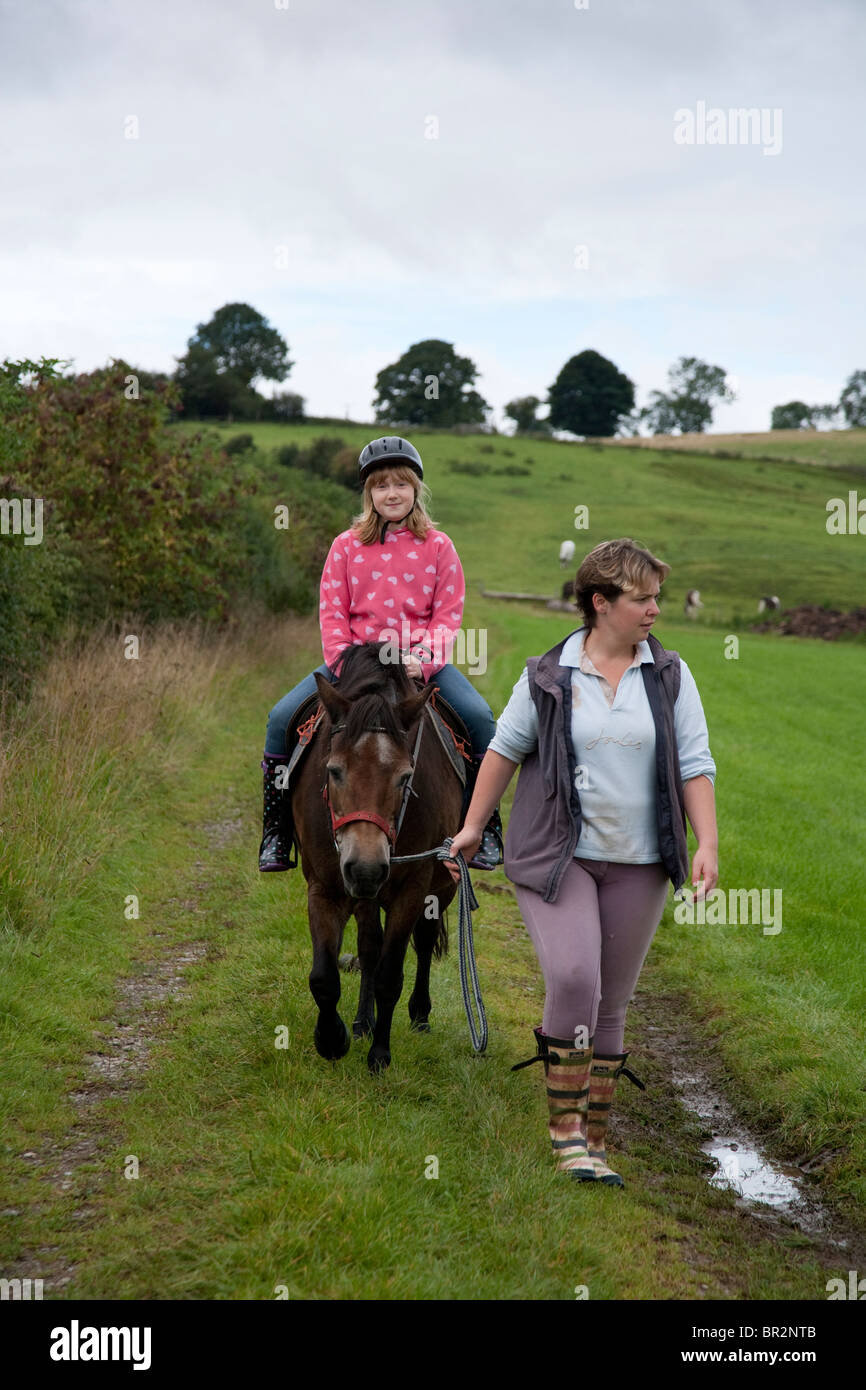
column 606, row 1071
column 567, row 1069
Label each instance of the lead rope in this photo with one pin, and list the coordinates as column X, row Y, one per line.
column 467, row 903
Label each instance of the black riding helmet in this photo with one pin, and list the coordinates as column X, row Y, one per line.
column 390, row 450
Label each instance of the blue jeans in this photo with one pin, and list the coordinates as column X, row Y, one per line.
column 456, row 688
column 282, row 714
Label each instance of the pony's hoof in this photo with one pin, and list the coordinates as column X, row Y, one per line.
column 378, row 1059
column 333, row 1050
column 419, row 1025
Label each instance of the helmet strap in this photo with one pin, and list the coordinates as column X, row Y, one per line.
column 402, row 519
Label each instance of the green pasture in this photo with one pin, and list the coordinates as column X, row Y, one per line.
column 822, row 447
column 734, row 529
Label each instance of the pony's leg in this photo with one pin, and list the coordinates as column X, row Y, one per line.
column 328, row 918
column 425, row 936
column 369, row 950
column 428, row 933
column 399, row 922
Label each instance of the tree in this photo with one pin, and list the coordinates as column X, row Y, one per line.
column 794, row 416
column 225, row 357
column 522, row 411
column 430, row 385
column 287, row 405
column 589, row 396
column 853, row 400
column 687, row 405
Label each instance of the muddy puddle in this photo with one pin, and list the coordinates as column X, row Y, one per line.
column 762, row 1185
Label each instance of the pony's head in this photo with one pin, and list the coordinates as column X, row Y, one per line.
column 372, row 709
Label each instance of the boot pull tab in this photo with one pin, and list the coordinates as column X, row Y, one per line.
column 539, row 1057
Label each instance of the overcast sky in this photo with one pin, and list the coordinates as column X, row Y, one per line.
column 307, row 128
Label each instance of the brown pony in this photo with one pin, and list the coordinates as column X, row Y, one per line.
column 346, row 805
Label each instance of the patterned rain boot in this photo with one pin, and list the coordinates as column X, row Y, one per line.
column 606, row 1071
column 277, row 832
column 567, row 1070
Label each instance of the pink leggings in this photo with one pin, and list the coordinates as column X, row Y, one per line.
column 592, row 942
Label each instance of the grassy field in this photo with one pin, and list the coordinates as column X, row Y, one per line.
column 823, row 447
column 732, row 528
column 262, row 1168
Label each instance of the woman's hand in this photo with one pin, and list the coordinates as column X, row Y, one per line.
column 468, row 839
column 705, row 865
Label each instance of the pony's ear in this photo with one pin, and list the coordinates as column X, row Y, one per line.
column 335, row 703
column 409, row 708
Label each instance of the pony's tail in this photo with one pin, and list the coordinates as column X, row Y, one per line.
column 440, row 945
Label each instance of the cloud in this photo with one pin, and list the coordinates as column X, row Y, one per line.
column 306, row 129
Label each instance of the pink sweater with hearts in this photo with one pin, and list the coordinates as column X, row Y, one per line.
column 406, row 591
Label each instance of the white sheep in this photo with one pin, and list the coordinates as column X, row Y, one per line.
column 692, row 605
column 566, row 553
column 769, row 603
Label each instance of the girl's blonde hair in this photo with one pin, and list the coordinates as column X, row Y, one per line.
column 367, row 525
column 610, row 569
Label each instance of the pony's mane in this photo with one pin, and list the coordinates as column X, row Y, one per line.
column 374, row 687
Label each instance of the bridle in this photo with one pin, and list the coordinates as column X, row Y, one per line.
column 392, row 831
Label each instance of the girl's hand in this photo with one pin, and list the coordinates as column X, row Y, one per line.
column 413, row 666
column 468, row 839
column 705, row 865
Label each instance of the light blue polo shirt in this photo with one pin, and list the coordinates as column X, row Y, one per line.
column 614, row 741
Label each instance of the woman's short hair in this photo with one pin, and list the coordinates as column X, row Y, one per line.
column 367, row 525
column 612, row 568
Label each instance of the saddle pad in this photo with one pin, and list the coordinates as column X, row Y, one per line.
column 450, row 730
column 305, row 714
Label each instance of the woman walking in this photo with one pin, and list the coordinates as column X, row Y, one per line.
column 610, row 734
column 392, row 577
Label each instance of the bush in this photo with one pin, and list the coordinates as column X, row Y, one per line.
column 344, row 468
column 141, row 522
column 287, row 455
column 150, row 515
column 487, row 448
column 317, row 458
column 473, row 466
column 238, row 444
column 513, row 470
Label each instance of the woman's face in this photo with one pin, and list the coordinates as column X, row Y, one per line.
column 392, row 499
column 631, row 616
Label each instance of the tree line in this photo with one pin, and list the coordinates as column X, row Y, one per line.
column 434, row 386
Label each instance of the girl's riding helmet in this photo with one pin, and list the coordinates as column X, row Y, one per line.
column 390, row 449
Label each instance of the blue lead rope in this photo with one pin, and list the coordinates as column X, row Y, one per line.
column 467, row 903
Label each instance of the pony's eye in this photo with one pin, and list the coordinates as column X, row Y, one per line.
column 334, row 771
column 403, row 779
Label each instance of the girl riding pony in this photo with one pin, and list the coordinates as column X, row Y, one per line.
column 392, row 577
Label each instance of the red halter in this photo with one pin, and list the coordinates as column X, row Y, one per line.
column 337, row 821
column 371, row 816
